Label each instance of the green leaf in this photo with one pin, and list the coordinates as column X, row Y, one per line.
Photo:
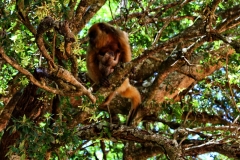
column 23, row 156
column 22, row 145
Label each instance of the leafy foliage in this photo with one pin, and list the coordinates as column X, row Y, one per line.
column 196, row 105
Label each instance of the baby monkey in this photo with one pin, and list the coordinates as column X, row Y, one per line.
column 107, row 62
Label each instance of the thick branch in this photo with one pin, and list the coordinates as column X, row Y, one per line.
column 63, row 28
column 167, row 66
column 59, row 72
column 71, row 6
column 22, row 14
column 85, row 11
column 7, row 112
column 204, row 118
column 231, row 151
column 125, row 133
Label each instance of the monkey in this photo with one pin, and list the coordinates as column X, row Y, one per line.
column 107, row 62
column 107, row 47
column 104, row 37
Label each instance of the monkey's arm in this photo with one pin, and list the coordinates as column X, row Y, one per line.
column 93, row 67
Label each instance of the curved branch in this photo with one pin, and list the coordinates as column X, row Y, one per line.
column 229, row 150
column 7, row 111
column 71, row 6
column 204, row 118
column 85, row 11
column 82, row 91
column 125, row 133
column 22, row 14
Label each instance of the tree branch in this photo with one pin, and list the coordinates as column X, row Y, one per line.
column 7, row 111
column 85, row 11
column 59, row 73
column 125, row 133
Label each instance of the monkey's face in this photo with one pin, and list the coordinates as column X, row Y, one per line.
column 111, row 50
column 100, row 35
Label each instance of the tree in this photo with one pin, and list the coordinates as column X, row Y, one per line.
column 185, row 64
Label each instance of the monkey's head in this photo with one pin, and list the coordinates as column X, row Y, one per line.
column 107, row 47
column 101, row 35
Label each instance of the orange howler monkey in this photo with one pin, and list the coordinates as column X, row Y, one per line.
column 108, row 46
column 105, row 38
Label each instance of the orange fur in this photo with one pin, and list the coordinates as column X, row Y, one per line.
column 126, row 90
column 107, row 47
column 102, row 37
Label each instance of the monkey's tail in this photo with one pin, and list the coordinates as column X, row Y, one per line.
column 135, row 103
column 131, row 116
